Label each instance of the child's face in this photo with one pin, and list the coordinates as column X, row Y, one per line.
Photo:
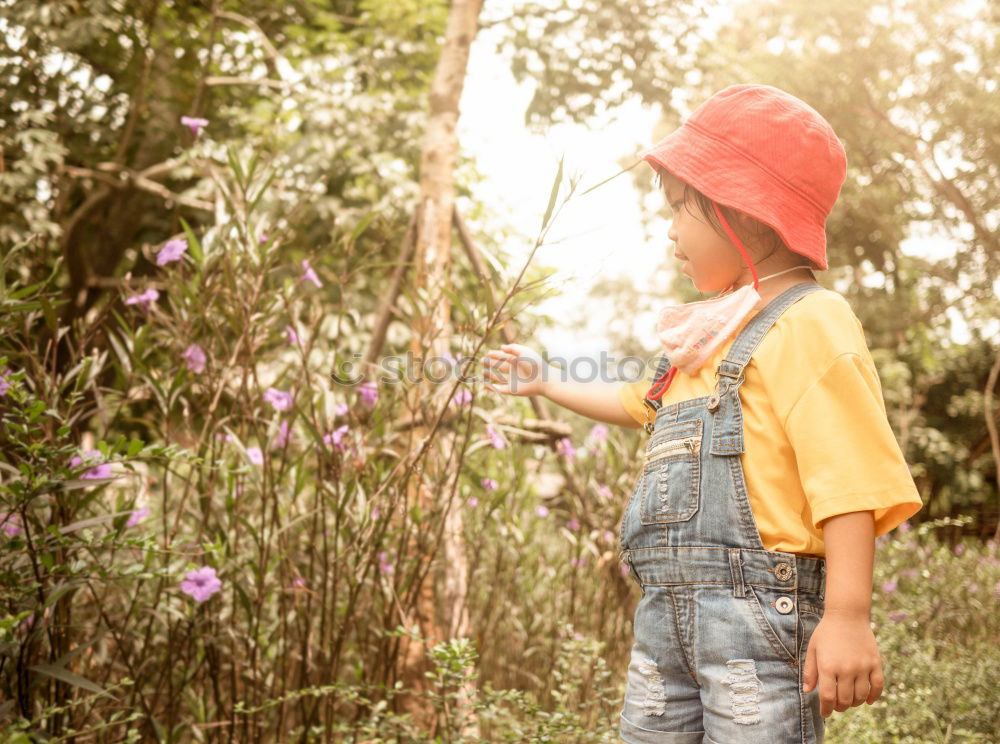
column 712, row 262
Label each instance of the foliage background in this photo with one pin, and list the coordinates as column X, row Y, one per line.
column 316, row 110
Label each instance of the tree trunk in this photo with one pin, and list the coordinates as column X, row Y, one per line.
column 441, row 611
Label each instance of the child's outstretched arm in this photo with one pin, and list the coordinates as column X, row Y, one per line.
column 514, row 369
column 843, row 655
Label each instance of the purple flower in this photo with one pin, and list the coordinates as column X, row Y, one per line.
column 462, row 397
column 263, row 238
column 542, row 511
column 101, row 471
column 255, row 455
column 889, row 587
column 171, row 251
column 599, row 433
column 308, row 275
column 384, row 564
column 959, row 549
column 137, row 516
column 495, row 439
column 369, row 393
column 565, row 448
column 299, row 583
column 336, row 438
column 489, row 484
column 201, row 583
column 573, row 525
column 195, row 123
column 283, row 437
column 195, row 357
column 340, row 409
column 4, row 385
column 293, row 337
column 473, row 502
column 579, row 562
column 904, row 527
column 10, row 523
column 898, row 617
column 281, row 400
column 145, row 298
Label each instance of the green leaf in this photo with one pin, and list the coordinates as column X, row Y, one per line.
column 64, row 675
column 193, row 243
column 134, row 447
column 554, row 194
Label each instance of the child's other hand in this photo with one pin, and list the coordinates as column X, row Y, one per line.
column 843, row 656
column 516, row 370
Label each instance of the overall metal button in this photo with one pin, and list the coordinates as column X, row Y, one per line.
column 783, row 571
column 784, row 605
column 713, row 402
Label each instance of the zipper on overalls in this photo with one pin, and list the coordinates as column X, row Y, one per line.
column 671, row 448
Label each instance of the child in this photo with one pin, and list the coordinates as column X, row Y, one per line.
column 771, row 466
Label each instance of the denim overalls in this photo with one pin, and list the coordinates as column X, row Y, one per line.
column 722, row 626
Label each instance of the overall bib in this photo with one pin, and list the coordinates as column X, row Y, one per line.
column 722, row 627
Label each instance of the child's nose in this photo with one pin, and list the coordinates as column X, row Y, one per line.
column 672, row 232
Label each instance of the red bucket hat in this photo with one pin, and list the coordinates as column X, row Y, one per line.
column 766, row 153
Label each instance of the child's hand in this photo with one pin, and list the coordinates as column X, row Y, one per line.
column 517, row 369
column 843, row 655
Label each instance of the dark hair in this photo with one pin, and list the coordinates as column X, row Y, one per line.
column 761, row 233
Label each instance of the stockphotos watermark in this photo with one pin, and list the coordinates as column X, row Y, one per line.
column 410, row 368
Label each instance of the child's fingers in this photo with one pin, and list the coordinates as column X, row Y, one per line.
column 877, row 682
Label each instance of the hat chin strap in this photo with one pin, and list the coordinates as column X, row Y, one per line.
column 738, row 243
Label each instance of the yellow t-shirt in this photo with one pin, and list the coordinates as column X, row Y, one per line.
column 816, row 439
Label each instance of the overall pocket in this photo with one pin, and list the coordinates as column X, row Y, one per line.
column 671, row 474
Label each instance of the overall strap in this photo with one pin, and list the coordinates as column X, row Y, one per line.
column 727, row 433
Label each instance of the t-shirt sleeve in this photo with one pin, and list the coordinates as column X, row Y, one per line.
column 847, row 455
column 632, row 394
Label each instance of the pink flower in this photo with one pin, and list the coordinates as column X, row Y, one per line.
column 604, row 492
column 145, row 298
column 565, row 448
column 473, row 502
column 336, row 438
column 293, row 337
column 299, row 583
column 608, row 536
column 599, row 432
column 4, row 385
column 340, row 409
column 281, row 400
column 255, row 455
column 573, row 525
column 889, row 587
column 462, row 397
column 904, row 527
column 10, row 523
column 624, row 569
column 495, row 439
column 542, row 511
column 101, row 471
column 369, row 393
column 283, row 437
column 579, row 562
column 195, row 123
column 308, row 275
column 384, row 564
column 263, row 238
column 898, row 617
column 195, row 357
column 137, row 516
column 489, row 484
column 201, row 583
column 171, row 251
column 959, row 549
